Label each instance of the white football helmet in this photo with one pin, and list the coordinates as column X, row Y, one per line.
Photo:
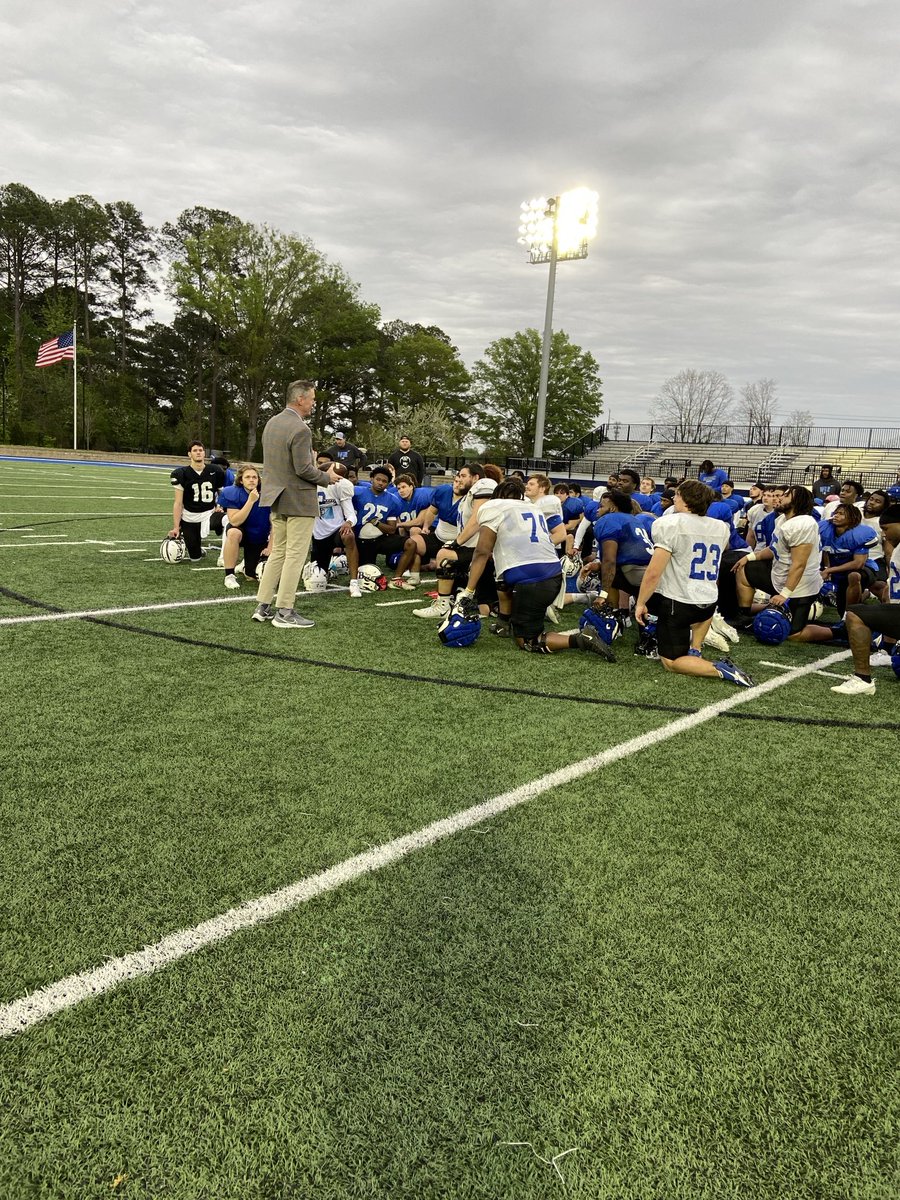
column 371, row 579
column 314, row 578
column 172, row 550
column 338, row 566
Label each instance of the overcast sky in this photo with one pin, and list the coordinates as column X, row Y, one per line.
column 746, row 157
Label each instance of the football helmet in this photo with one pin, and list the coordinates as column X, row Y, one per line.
column 172, row 550
column 571, row 564
column 604, row 619
column 828, row 594
column 456, row 630
column 895, row 662
column 314, row 578
column 772, row 626
column 338, row 566
column 371, row 579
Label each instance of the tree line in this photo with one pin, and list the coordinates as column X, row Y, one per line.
column 694, row 402
column 253, row 308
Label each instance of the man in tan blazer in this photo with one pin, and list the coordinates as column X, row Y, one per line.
column 289, row 481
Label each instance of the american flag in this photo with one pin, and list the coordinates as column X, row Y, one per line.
column 56, row 349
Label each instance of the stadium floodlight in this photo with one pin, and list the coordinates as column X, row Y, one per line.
column 554, row 229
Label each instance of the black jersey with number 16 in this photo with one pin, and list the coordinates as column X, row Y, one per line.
column 199, row 487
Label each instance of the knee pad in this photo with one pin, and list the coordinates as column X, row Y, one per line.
column 447, row 569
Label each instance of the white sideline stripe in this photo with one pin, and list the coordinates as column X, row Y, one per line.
column 112, row 612
column 394, row 603
column 30, row 512
column 135, row 550
column 33, row 545
column 87, row 542
column 21, row 1014
column 782, row 667
column 43, row 535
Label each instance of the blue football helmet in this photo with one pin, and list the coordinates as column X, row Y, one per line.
column 772, row 626
column 895, row 663
column 604, row 619
column 457, row 631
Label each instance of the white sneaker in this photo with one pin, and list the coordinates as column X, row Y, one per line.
column 240, row 567
column 402, row 585
column 721, row 626
column 220, row 561
column 414, row 578
column 880, row 658
column 715, row 641
column 355, row 589
column 552, row 614
column 440, row 608
column 231, row 582
column 855, row 686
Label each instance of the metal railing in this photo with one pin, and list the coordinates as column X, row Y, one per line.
column 884, row 438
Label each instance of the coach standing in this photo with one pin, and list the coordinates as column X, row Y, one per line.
column 407, row 461
column 290, row 479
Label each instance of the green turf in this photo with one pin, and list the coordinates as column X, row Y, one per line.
column 684, row 965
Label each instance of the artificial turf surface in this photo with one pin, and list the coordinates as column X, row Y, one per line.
column 683, row 965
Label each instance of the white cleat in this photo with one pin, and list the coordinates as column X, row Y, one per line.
column 434, row 611
column 721, row 626
column 231, row 582
column 854, row 686
column 355, row 589
column 715, row 641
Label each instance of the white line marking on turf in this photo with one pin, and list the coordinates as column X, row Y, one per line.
column 135, row 550
column 31, row 512
column 112, row 612
column 783, row 667
column 21, row 1014
column 394, row 603
column 43, row 535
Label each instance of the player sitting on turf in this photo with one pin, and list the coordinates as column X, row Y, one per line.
column 789, row 570
column 333, row 528
column 377, row 510
column 414, row 502
column 431, row 529
column 680, row 587
column 515, row 534
column 624, row 546
column 195, row 487
column 247, row 526
column 847, row 544
column 455, row 558
column 864, row 620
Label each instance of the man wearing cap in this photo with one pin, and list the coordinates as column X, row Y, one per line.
column 407, row 461
column 343, row 451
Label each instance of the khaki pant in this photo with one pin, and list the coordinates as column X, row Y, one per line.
column 290, row 545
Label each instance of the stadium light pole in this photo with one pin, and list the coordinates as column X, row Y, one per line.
column 553, row 230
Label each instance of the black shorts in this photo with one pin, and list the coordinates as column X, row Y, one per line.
column 387, row 543
column 530, row 602
column 674, row 619
column 624, row 584
column 880, row 618
column 322, row 549
column 759, row 575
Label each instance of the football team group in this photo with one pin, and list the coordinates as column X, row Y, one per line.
column 690, row 565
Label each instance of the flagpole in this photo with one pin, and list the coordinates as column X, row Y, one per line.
column 74, row 389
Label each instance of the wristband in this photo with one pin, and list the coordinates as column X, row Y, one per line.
column 602, row 595
column 751, row 557
column 786, row 592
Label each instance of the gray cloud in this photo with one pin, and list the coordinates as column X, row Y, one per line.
column 746, row 157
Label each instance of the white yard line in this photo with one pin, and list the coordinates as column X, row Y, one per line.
column 43, row 618
column 395, row 603
column 135, row 550
column 783, row 667
column 21, row 1014
column 30, row 512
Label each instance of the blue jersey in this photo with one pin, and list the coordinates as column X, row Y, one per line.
column 645, row 503
column 447, row 505
column 372, row 508
column 736, row 502
column 844, row 547
column 590, row 509
column 634, row 546
column 256, row 527
column 764, row 529
column 721, row 510
column 419, row 500
column 714, row 479
column 572, row 507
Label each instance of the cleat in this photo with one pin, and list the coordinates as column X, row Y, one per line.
column 854, row 686
column 589, row 639
column 692, row 653
column 723, row 629
column 220, row 561
column 500, row 629
column 732, row 673
column 716, row 641
column 552, row 614
column 289, row 618
column 401, row 585
column 355, row 589
column 262, row 612
column 231, row 582
column 440, row 609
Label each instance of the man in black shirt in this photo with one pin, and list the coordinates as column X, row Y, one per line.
column 343, row 451
column 195, row 487
column 825, row 485
column 407, row 461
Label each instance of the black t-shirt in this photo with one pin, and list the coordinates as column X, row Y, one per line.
column 199, row 487
column 408, row 462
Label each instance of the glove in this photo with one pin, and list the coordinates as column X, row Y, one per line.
column 465, row 605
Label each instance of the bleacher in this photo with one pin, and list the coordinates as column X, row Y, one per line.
column 782, row 459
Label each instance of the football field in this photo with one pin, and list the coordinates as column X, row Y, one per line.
column 344, row 913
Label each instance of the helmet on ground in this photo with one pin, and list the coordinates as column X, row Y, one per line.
column 817, row 612
column 371, row 579
column 338, row 566
column 394, row 558
column 571, row 564
column 772, row 626
column 172, row 550
column 828, row 594
column 314, row 578
column 456, row 630
column 604, row 619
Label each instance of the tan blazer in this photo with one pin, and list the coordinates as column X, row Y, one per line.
column 290, row 475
